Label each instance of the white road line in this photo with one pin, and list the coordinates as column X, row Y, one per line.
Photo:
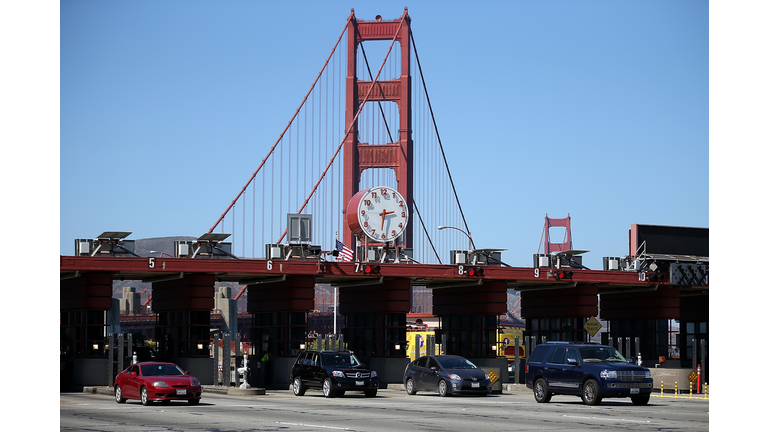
column 309, row 425
column 607, row 419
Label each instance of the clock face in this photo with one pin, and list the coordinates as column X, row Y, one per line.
column 380, row 213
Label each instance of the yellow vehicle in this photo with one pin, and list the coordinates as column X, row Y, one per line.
column 506, row 342
column 422, row 344
column 505, row 347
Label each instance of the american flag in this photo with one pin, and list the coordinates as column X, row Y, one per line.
column 344, row 252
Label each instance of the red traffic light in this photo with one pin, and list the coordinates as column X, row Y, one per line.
column 563, row 274
column 370, row 269
column 475, row 271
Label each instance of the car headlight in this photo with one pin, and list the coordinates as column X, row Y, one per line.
column 488, row 377
column 373, row 374
column 606, row 374
column 648, row 374
column 338, row 374
column 194, row 383
column 160, row 384
column 454, row 377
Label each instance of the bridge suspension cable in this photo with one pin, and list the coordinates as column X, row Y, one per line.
column 303, row 163
column 282, row 134
column 440, row 142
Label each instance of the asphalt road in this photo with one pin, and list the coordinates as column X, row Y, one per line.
column 391, row 410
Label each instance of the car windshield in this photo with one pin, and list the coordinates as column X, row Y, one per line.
column 456, row 363
column 340, row 360
column 160, row 369
column 601, row 354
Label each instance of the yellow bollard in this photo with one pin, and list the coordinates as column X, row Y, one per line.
column 690, row 389
column 705, row 391
column 662, row 388
column 675, row 388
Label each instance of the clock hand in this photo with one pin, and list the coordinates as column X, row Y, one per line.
column 384, row 214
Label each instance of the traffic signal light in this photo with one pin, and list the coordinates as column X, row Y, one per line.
column 563, row 274
column 371, row 269
column 475, row 271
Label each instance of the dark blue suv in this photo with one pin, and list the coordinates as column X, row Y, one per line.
column 588, row 370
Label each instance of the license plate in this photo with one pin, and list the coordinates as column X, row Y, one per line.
column 181, row 391
column 475, row 385
column 359, row 383
column 634, row 391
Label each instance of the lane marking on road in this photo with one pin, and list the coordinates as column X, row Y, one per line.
column 607, row 419
column 314, row 426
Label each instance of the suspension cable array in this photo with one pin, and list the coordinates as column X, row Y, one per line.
column 302, row 159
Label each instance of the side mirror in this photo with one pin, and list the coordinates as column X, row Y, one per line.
column 186, row 372
column 572, row 361
column 133, row 374
column 630, row 360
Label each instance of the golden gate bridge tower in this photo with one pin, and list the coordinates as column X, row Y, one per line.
column 394, row 155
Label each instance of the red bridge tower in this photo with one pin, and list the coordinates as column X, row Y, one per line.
column 397, row 156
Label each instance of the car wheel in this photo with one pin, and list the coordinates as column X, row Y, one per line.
column 145, row 397
column 370, row 393
column 591, row 393
column 119, row 395
column 442, row 388
column 298, row 389
column 328, row 388
column 541, row 391
column 410, row 388
column 193, row 402
column 641, row 399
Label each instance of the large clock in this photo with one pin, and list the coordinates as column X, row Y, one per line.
column 379, row 213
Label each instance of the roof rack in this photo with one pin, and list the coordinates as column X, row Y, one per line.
column 571, row 343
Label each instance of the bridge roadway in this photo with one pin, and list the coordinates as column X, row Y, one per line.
column 244, row 271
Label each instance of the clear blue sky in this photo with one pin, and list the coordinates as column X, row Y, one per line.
column 597, row 109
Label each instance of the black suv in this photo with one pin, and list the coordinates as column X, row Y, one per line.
column 334, row 372
column 588, row 370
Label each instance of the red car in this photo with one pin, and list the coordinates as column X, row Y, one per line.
column 157, row 381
